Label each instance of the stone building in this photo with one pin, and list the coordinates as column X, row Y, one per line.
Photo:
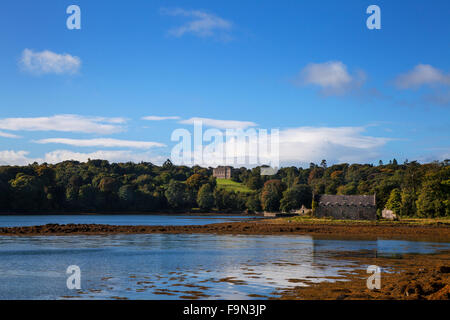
column 352, row 207
column 222, row 172
column 303, row 211
column 388, row 214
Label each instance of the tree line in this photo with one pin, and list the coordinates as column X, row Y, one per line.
column 409, row 189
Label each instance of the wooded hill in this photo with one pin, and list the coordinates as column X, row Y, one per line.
column 410, row 189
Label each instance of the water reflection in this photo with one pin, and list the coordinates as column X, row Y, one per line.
column 165, row 266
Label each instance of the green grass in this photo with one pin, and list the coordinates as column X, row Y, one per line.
column 233, row 186
column 404, row 221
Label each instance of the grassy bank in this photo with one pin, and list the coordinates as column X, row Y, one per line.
column 328, row 221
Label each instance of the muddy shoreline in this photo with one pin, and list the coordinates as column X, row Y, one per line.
column 410, row 277
column 263, row 227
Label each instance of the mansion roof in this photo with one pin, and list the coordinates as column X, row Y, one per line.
column 347, row 200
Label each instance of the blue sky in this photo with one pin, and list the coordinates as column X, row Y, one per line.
column 335, row 89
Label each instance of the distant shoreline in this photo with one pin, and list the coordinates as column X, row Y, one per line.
column 128, row 213
column 324, row 229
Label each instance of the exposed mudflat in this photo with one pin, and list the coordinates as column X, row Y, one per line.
column 264, row 227
column 410, row 277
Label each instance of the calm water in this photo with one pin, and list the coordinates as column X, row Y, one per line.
column 164, row 266
column 159, row 220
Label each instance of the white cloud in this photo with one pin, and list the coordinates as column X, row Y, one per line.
column 102, row 142
column 420, row 75
column 8, row 135
column 332, row 77
column 45, row 62
column 112, row 156
column 158, row 118
column 302, row 145
column 64, row 123
column 297, row 146
column 221, row 124
column 340, row 144
column 202, row 24
column 11, row 157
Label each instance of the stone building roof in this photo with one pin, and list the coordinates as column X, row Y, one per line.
column 347, row 200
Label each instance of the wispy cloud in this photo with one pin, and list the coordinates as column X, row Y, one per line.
column 422, row 75
column 221, row 124
column 158, row 118
column 435, row 85
column 332, row 77
column 438, row 97
column 65, row 123
column 8, row 135
column 202, row 24
column 11, row 157
column 112, row 156
column 102, row 142
column 45, row 62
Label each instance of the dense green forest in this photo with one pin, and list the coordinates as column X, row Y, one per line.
column 410, row 189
